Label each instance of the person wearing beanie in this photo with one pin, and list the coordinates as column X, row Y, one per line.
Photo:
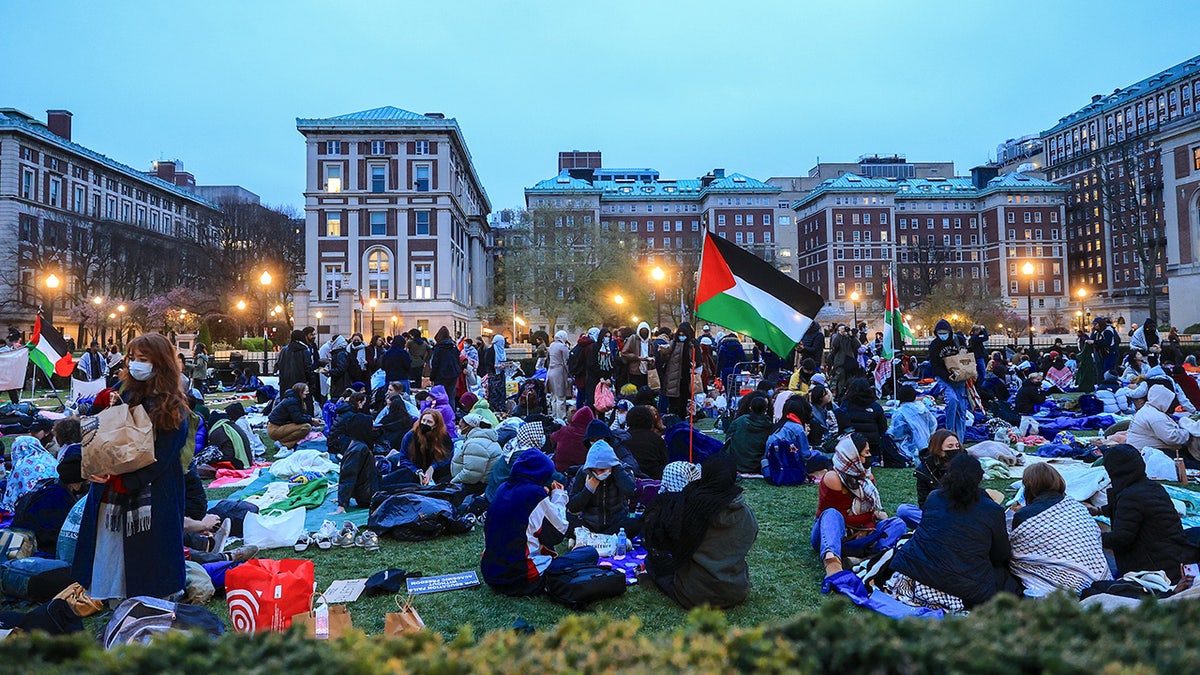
column 236, row 413
column 912, row 424
column 476, row 456
column 467, row 401
column 358, row 478
column 570, row 449
column 1146, row 532
column 600, row 493
column 525, row 521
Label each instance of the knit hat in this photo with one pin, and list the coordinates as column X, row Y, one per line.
column 468, row 401
column 531, row 435
column 235, row 411
column 601, row 456
column 484, row 410
column 818, row 378
column 677, row 475
column 597, row 429
column 628, row 389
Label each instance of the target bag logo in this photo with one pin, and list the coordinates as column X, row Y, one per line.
column 264, row 595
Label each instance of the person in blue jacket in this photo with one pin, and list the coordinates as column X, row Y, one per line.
column 947, row 343
column 729, row 353
column 525, row 521
column 912, row 423
column 792, row 430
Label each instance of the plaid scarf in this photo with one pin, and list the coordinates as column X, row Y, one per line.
column 857, row 478
column 132, row 513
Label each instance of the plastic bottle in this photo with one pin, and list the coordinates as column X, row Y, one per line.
column 622, row 544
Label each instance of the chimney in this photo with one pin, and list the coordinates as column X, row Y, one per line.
column 980, row 175
column 165, row 169
column 436, row 115
column 59, row 123
column 1096, row 97
column 718, row 173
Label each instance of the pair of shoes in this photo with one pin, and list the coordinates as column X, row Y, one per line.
column 346, row 537
column 283, row 452
column 325, row 536
column 367, row 540
column 303, row 543
column 220, row 535
column 241, row 554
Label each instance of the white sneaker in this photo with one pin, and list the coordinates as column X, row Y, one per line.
column 325, row 536
column 284, row 452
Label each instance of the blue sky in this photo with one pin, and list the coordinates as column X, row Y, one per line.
column 762, row 88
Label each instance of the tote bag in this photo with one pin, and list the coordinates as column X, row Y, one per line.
column 264, row 595
column 961, row 366
column 118, row 440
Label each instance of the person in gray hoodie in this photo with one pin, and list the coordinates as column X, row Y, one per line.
column 600, row 494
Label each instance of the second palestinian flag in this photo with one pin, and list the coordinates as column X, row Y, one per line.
column 49, row 351
column 742, row 292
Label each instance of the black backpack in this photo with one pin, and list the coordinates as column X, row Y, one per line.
column 576, row 581
column 575, row 365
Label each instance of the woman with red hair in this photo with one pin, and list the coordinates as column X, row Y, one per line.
column 131, row 537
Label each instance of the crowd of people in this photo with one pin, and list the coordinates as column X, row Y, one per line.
column 578, row 449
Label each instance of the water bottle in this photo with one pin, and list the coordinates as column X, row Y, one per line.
column 622, row 544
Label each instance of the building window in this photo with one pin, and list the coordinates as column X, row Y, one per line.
column 766, row 219
column 421, row 148
column 331, row 281
column 379, row 272
column 738, row 238
column 649, row 225
column 110, row 211
column 125, row 216
column 28, row 231
column 422, row 221
column 841, row 289
column 737, row 219
column 721, row 219
column 79, row 203
column 335, row 148
column 333, row 224
column 866, row 219
column 55, row 197
column 378, row 178
column 423, row 281
column 378, row 224
column 333, row 177
column 28, row 190
column 837, row 219
column 422, row 178
column 377, row 147
column 1012, row 217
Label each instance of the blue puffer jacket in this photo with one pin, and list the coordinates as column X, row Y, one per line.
column 523, row 524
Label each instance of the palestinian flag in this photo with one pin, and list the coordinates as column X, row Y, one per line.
column 895, row 330
column 49, row 351
column 742, row 292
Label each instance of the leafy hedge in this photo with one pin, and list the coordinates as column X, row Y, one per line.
column 1054, row 636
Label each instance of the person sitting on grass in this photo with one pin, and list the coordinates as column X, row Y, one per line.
column 1147, row 533
column 792, row 430
column 1153, row 426
column 600, row 493
column 475, row 456
column 931, row 468
column 1029, row 397
column 525, row 521
column 1055, row 542
column 850, row 515
column 958, row 557
column 912, row 424
column 289, row 421
column 358, row 478
column 746, row 438
column 646, row 444
column 701, row 537
column 425, row 452
column 336, row 439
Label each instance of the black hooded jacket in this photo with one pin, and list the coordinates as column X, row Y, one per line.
column 861, row 412
column 939, row 349
column 1147, row 533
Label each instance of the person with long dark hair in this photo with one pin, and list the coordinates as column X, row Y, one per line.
column 131, row 536
column 699, row 538
column 425, row 453
column 792, row 430
column 958, row 557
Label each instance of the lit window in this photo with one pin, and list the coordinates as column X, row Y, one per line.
column 333, row 224
column 333, row 177
column 423, row 281
column 379, row 268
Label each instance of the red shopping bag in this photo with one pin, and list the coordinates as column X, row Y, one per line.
column 264, row 595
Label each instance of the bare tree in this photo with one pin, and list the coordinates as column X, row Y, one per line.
column 1129, row 180
column 921, row 268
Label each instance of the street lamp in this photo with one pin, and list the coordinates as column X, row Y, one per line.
column 52, row 285
column 1082, row 295
column 854, row 299
column 372, row 303
column 319, row 316
column 658, row 275
column 1027, row 268
column 265, row 281
column 1079, row 315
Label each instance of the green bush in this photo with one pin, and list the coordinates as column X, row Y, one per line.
column 1008, row 635
column 1192, row 329
column 253, row 344
column 204, row 336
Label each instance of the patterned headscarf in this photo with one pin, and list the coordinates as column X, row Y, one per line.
column 677, row 475
column 857, row 478
column 31, row 465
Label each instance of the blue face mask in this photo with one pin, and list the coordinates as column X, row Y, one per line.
column 943, row 336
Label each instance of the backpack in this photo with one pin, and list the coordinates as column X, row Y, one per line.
column 42, row 511
column 36, row 579
column 575, row 580
column 575, row 361
column 138, row 619
column 16, row 544
column 1090, row 405
column 784, row 465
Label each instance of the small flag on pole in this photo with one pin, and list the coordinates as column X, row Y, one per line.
column 895, row 329
column 744, row 293
column 49, row 350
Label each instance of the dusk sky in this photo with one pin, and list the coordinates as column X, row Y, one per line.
column 763, row 88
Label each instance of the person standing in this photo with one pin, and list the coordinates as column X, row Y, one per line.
column 396, row 362
column 844, row 358
column 131, row 534
column 444, row 366
column 636, row 356
column 558, row 381
column 577, row 363
column 339, row 365
column 493, row 365
column 373, row 353
column 418, row 351
column 730, row 353
column 199, row 371
column 947, row 343
column 679, row 360
column 295, row 362
column 92, row 365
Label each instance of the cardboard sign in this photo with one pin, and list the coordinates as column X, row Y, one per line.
column 345, row 590
column 445, row 582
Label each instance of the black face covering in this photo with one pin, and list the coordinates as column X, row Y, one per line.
column 868, row 462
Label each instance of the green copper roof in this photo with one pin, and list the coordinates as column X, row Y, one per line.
column 387, row 112
column 1120, row 97
column 658, row 189
column 960, row 187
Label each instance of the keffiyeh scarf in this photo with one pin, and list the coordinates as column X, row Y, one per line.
column 1058, row 548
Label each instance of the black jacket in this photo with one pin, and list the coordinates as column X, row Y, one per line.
column 339, row 371
column 443, row 364
column 289, row 410
column 601, row 510
column 929, row 474
column 1147, row 533
column 812, row 345
column 964, row 554
column 978, row 344
column 939, row 349
column 294, row 364
column 867, row 418
column 396, row 364
column 336, row 440
column 649, row 450
column 1029, row 397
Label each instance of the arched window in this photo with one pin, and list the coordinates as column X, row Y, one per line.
column 379, row 274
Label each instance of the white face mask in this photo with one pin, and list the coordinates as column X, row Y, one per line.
column 141, row 370
column 601, row 475
column 620, row 418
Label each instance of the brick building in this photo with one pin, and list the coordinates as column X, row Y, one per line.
column 662, row 219
column 977, row 229
column 1106, row 154
column 395, row 213
column 102, row 228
